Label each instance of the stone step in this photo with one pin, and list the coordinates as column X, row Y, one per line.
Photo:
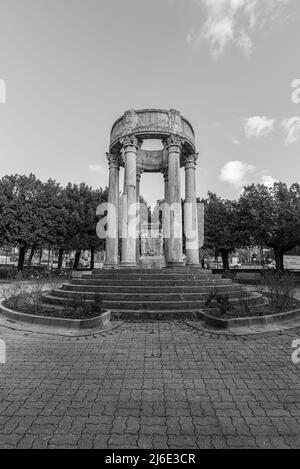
column 112, row 289
column 163, row 271
column 138, row 277
column 149, row 315
column 131, row 305
column 140, row 296
column 153, row 283
column 155, row 315
column 136, row 294
column 116, row 305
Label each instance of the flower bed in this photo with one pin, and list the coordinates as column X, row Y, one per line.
column 78, row 309
column 66, row 313
column 26, row 297
column 100, row 321
column 257, row 310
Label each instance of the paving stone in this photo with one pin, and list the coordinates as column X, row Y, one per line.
column 157, row 385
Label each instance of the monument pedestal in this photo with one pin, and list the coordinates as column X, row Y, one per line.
column 152, row 262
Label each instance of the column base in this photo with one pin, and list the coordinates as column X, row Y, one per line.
column 111, row 266
column 128, row 265
column 170, row 265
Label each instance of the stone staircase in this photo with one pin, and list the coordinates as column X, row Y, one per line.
column 135, row 294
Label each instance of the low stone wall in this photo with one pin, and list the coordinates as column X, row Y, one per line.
column 101, row 321
column 253, row 321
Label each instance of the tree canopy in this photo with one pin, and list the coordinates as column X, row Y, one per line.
column 223, row 231
column 35, row 214
column 271, row 216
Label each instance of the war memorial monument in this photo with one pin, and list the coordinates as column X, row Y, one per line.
column 127, row 136
column 146, row 274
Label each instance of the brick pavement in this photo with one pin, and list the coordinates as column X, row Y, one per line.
column 149, row 385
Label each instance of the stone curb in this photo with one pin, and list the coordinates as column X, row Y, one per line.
column 101, row 321
column 251, row 321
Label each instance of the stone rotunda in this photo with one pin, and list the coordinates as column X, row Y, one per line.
column 178, row 138
column 127, row 290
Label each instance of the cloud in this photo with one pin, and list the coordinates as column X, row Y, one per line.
column 291, row 128
column 240, row 173
column 258, row 126
column 97, row 168
column 267, row 180
column 235, row 22
column 236, row 173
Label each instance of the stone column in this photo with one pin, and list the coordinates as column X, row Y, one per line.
column 166, row 214
column 173, row 147
column 139, row 173
column 190, row 211
column 130, row 146
column 113, row 212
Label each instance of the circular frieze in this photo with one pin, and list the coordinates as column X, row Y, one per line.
column 152, row 124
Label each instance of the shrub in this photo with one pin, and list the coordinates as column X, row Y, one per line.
column 244, row 303
column 33, row 273
column 229, row 274
column 79, row 306
column 15, row 293
column 280, row 289
column 22, row 294
column 219, row 301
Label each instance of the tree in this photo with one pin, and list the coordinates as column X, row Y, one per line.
column 223, row 232
column 73, row 203
column 80, row 203
column 272, row 217
column 90, row 240
column 20, row 222
column 51, row 215
column 36, row 215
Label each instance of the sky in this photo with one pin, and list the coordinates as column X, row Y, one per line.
column 70, row 68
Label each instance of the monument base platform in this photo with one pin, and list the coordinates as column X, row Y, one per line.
column 146, row 294
column 152, row 262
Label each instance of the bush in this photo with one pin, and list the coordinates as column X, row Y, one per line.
column 215, row 300
column 21, row 295
column 231, row 275
column 15, row 294
column 78, row 306
column 280, row 289
column 244, row 303
column 33, row 273
column 27, row 297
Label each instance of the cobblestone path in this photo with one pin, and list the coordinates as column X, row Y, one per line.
column 149, row 385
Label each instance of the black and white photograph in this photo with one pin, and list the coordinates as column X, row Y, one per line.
column 150, row 227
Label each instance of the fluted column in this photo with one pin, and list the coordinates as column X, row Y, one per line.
column 190, row 211
column 130, row 146
column 113, row 212
column 166, row 214
column 173, row 147
column 139, row 173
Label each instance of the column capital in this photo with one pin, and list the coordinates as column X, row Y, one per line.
column 190, row 161
column 129, row 142
column 113, row 160
column 139, row 172
column 173, row 141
